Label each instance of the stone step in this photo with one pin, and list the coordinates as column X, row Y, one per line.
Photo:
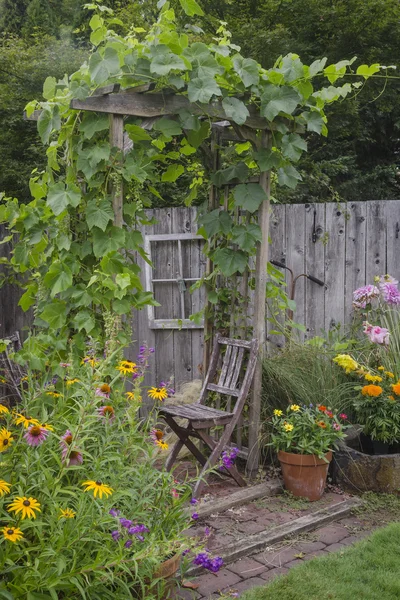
column 253, row 543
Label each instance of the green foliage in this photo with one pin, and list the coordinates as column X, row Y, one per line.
column 311, row 429
column 78, row 557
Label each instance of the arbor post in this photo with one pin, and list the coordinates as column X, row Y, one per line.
column 259, row 319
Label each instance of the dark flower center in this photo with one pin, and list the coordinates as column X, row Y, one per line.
column 99, row 483
column 74, row 454
column 68, row 439
column 159, row 434
column 5, row 442
column 10, row 531
column 108, row 410
column 158, row 390
column 105, row 388
column 35, row 431
column 26, row 503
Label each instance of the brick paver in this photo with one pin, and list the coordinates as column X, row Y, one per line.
column 247, row 567
column 273, row 573
column 331, row 534
column 210, row 583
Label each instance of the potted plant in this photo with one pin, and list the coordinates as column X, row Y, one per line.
column 304, row 438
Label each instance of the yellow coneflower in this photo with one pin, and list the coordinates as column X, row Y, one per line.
column 47, row 426
column 12, row 534
column 53, row 394
column 67, row 513
column 25, row 421
column 158, row 438
column 6, row 439
column 4, row 487
column 295, row 407
column 71, row 381
column 278, row 412
column 158, row 393
column 133, row 396
column 26, row 506
column 126, row 367
column 89, row 360
column 288, row 427
column 4, row 410
column 99, row 488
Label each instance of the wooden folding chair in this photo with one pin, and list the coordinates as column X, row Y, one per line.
column 202, row 418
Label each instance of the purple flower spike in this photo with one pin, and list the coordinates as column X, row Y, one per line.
column 128, row 543
column 207, row 531
column 195, row 516
column 114, row 512
column 193, row 501
column 125, row 523
column 115, row 535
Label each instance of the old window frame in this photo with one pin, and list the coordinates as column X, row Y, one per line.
column 183, row 322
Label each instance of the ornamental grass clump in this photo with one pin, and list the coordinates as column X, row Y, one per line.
column 84, row 513
column 307, row 429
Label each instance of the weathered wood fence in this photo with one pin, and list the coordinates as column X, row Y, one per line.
column 345, row 246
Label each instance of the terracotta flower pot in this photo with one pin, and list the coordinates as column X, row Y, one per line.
column 304, row 474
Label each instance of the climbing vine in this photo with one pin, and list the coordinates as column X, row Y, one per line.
column 77, row 265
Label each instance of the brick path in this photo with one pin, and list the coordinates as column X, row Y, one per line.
column 264, row 566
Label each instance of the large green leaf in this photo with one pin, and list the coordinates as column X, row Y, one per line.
column 239, row 171
column 84, row 320
column 49, row 120
column 168, row 127
column 267, row 159
column 107, row 241
column 314, row 121
column 92, row 123
column 172, row 173
column 246, row 236
column 137, row 134
column 99, row 213
column 202, row 89
column 230, row 261
column 61, row 196
column 101, row 67
column 189, row 121
column 163, row 63
column 28, row 299
column 191, row 8
column 293, row 146
column 236, row 110
column 292, row 68
column 249, row 196
column 247, row 69
column 196, row 137
column 55, row 314
column 216, row 221
column 289, row 176
column 278, row 99
column 49, row 88
column 58, row 278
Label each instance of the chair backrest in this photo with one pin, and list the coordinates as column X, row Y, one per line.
column 231, row 370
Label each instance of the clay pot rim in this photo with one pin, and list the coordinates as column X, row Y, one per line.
column 304, row 460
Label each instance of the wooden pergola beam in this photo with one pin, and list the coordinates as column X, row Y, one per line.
column 157, row 105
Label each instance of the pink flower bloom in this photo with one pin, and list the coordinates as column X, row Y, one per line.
column 387, row 279
column 103, row 391
column 343, row 416
column 174, row 493
column 106, row 412
column 376, row 334
column 336, row 427
column 390, row 293
column 75, row 458
column 363, row 295
column 65, row 365
column 36, row 435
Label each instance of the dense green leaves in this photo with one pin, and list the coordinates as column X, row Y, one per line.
column 249, row 196
column 102, row 66
column 191, row 7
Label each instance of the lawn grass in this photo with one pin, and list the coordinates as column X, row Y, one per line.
column 369, row 570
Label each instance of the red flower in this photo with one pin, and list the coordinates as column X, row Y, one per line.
column 322, row 408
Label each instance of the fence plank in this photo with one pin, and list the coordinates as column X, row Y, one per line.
column 334, row 265
column 393, row 238
column 376, row 245
column 356, row 232
column 315, row 265
column 278, row 253
column 197, row 269
column 295, row 255
column 183, row 338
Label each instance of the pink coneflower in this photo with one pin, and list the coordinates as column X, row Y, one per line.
column 66, row 439
column 343, row 416
column 336, row 427
column 106, row 412
column 376, row 334
column 74, row 458
column 36, row 435
column 103, row 391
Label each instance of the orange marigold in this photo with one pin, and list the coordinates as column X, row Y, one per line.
column 392, row 398
column 396, row 388
column 372, row 390
column 322, row 408
column 321, row 424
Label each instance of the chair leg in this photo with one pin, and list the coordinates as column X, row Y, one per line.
column 173, row 455
column 182, row 440
column 236, row 476
column 211, row 462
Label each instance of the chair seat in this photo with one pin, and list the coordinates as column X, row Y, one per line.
column 197, row 414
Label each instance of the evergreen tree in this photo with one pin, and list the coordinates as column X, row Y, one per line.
column 12, row 15
column 40, row 17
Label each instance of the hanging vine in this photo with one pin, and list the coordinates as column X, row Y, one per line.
column 76, row 263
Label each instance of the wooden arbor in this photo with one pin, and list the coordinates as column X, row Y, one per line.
column 142, row 102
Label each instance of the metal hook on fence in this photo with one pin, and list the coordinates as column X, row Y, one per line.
column 293, row 281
